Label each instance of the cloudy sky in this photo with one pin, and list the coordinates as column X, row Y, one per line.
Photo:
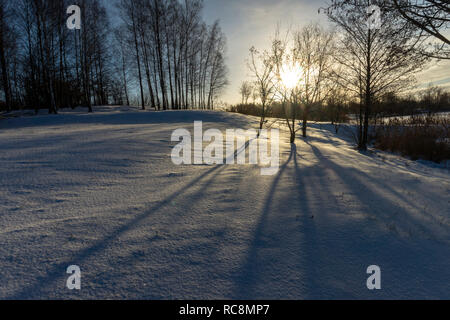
column 249, row 23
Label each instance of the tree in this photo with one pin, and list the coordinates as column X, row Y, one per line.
column 313, row 48
column 287, row 77
column 164, row 49
column 245, row 90
column 182, row 57
column 373, row 61
column 128, row 8
column 430, row 16
column 218, row 73
column 123, row 70
column 262, row 66
column 6, row 43
column 336, row 105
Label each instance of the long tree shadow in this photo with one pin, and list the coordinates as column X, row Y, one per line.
column 56, row 271
column 321, row 258
column 132, row 118
column 310, row 255
column 365, row 187
column 322, row 252
column 385, row 233
column 247, row 275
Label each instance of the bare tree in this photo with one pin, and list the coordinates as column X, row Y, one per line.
column 429, row 18
column 5, row 46
column 183, row 58
column 432, row 18
column 336, row 105
column 128, row 8
column 286, row 82
column 120, row 40
column 218, row 72
column 313, row 48
column 165, row 50
column 373, row 60
column 262, row 66
column 245, row 90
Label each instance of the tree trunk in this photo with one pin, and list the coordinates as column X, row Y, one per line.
column 5, row 80
column 138, row 62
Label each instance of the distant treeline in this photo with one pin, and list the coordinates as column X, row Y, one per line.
column 339, row 109
column 155, row 53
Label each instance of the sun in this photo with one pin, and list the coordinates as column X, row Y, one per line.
column 290, row 75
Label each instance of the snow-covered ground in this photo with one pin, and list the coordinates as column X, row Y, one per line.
column 100, row 191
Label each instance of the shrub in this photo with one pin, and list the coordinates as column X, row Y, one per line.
column 418, row 137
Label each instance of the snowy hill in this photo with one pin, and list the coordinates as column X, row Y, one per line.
column 100, row 191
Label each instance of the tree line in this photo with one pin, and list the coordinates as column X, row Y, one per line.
column 182, row 57
column 154, row 53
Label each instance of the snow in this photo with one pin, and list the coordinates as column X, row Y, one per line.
column 100, row 191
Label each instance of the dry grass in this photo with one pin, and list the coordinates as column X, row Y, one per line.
column 418, row 137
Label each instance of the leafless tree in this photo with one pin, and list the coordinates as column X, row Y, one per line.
column 183, row 58
column 373, row 61
column 432, row 18
column 288, row 95
column 6, row 44
column 245, row 90
column 313, row 48
column 261, row 66
column 429, row 18
column 166, row 54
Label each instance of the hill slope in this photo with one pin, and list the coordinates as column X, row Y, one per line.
column 100, row 191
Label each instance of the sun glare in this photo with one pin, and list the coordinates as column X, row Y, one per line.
column 290, row 75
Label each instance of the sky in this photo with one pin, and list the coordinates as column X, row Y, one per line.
column 248, row 23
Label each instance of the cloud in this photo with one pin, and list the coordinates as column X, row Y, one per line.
column 437, row 75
